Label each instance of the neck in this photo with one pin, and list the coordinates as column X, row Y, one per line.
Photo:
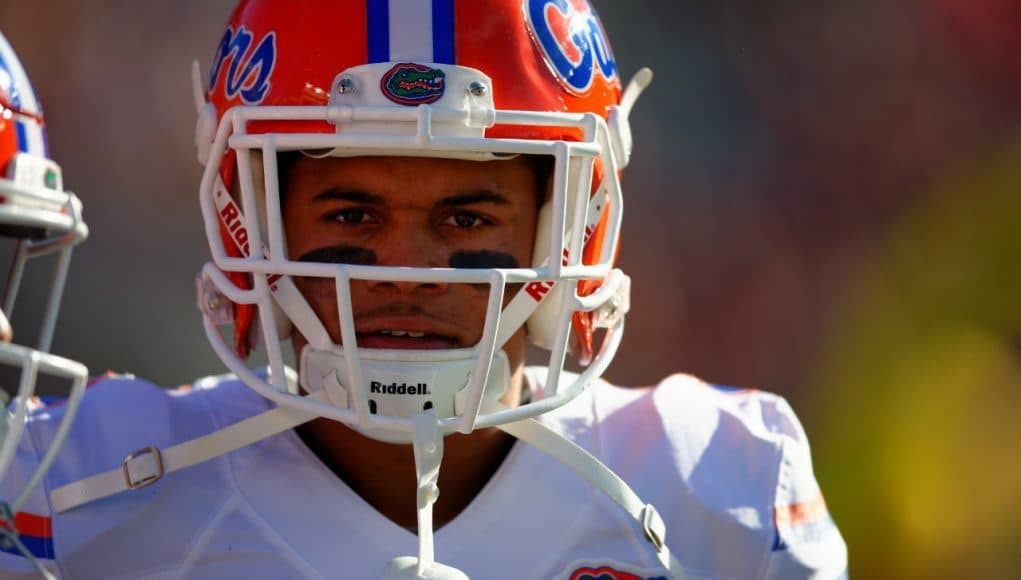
column 383, row 474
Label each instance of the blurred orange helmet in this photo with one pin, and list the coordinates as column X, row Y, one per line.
column 40, row 217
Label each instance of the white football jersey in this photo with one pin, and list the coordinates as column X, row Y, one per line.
column 728, row 470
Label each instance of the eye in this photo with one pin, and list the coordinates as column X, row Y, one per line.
column 352, row 215
column 464, row 220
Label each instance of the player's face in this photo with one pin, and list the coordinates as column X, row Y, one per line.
column 402, row 211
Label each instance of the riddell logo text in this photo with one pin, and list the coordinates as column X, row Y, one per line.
column 230, row 217
column 399, row 389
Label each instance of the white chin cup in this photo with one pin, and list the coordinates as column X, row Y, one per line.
column 402, row 383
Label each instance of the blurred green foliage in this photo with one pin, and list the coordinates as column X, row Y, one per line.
column 918, row 442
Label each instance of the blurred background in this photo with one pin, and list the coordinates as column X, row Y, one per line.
column 825, row 202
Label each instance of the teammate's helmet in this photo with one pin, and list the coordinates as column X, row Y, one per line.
column 40, row 218
column 431, row 78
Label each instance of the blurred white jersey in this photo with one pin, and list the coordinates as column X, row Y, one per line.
column 728, row 470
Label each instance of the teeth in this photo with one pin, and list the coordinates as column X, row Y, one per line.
column 408, row 333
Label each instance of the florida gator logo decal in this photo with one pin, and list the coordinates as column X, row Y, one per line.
column 412, row 84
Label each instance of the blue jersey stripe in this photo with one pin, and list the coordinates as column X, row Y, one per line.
column 38, row 547
column 378, row 25
column 443, row 31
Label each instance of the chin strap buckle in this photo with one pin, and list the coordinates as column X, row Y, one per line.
column 211, row 302
column 609, row 314
column 653, row 526
column 143, row 467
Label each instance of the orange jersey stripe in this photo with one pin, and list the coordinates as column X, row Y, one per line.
column 32, row 525
column 805, row 512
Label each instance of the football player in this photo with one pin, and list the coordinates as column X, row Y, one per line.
column 39, row 218
column 402, row 195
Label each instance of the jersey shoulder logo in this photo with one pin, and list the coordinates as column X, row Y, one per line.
column 572, row 41
column 412, row 84
column 608, row 570
column 249, row 69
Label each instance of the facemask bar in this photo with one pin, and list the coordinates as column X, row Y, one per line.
column 26, row 250
column 60, row 212
column 32, row 362
column 596, row 142
column 62, row 242
column 342, row 276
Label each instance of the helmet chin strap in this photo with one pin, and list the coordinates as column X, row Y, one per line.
column 428, row 445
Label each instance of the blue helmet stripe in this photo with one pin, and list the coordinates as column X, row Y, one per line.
column 22, row 132
column 443, row 31
column 378, row 25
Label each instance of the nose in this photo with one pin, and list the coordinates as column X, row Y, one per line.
column 403, row 287
column 402, row 247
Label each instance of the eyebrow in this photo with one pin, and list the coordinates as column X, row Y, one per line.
column 352, row 195
column 456, row 200
column 468, row 198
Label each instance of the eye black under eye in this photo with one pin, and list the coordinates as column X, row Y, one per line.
column 341, row 254
column 482, row 259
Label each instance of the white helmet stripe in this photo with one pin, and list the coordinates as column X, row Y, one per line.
column 22, row 95
column 411, row 30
